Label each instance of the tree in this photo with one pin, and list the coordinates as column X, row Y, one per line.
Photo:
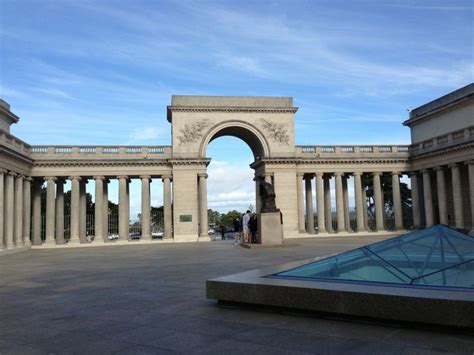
column 213, row 217
column 386, row 183
column 227, row 220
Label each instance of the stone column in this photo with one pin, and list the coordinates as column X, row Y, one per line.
column 339, row 203
column 75, row 210
column 309, row 205
column 365, row 208
column 359, row 202
column 442, row 199
column 203, row 223
column 105, row 210
column 83, row 210
column 19, row 210
column 123, row 208
column 320, row 203
column 457, row 196
column 415, row 201
column 146, row 208
column 397, row 200
column 99, row 210
column 9, row 209
column 379, row 213
column 258, row 201
column 428, row 198
column 345, row 193
column 167, row 220
column 36, row 230
column 327, row 203
column 50, row 210
column 300, row 193
column 2, row 208
column 26, row 211
column 470, row 165
column 60, row 212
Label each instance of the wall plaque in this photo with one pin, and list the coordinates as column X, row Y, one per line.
column 185, row 217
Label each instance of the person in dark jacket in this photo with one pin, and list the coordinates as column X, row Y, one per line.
column 253, row 226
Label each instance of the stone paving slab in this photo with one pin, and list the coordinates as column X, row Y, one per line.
column 151, row 300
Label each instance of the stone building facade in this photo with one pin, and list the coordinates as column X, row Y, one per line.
column 440, row 163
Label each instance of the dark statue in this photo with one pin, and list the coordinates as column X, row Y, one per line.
column 267, row 195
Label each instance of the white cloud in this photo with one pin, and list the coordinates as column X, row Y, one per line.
column 230, row 186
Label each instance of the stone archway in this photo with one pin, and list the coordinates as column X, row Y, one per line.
column 266, row 124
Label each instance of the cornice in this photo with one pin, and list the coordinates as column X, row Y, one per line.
column 65, row 163
column 14, row 154
column 189, row 161
column 325, row 161
column 232, row 109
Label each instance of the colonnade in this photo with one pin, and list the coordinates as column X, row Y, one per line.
column 323, row 202
column 15, row 220
column 423, row 197
column 15, row 204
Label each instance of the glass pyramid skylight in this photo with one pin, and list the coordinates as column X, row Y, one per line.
column 435, row 256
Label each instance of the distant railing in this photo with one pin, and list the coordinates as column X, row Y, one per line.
column 57, row 151
column 351, row 150
column 443, row 141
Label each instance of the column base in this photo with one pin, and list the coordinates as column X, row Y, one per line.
column 204, row 238
column 49, row 241
column 27, row 243
column 19, row 244
column 146, row 237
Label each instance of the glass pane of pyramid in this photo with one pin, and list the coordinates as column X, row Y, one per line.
column 436, row 256
column 356, row 265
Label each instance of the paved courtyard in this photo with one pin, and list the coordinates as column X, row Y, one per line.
column 151, row 299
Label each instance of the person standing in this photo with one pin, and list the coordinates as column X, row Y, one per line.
column 253, row 226
column 236, row 230
column 245, row 226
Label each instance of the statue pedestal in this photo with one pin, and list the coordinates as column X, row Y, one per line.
column 270, row 229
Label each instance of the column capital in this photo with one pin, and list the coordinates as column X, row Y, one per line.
column 398, row 173
column 338, row 173
column 454, row 165
column 438, row 168
column 147, row 177
column 308, row 176
column 425, row 171
column 376, row 173
column 319, row 173
column 120, row 177
column 469, row 162
column 412, row 173
column 166, row 176
column 202, row 175
column 300, row 174
column 77, row 178
column 3, row 171
column 20, row 176
column 50, row 178
column 99, row 177
column 357, row 173
column 11, row 173
column 28, row 178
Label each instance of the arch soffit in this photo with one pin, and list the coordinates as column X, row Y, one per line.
column 237, row 124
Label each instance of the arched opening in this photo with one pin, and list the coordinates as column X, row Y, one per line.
column 231, row 189
column 239, row 129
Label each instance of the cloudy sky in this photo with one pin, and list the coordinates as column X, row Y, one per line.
column 102, row 72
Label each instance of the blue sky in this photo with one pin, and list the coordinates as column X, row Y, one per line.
column 102, row 72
